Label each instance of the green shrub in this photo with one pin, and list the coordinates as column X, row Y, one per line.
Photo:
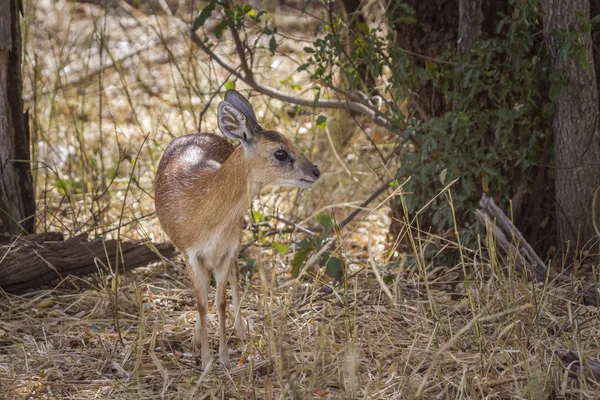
column 495, row 111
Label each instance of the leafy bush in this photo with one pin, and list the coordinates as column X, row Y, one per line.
column 497, row 100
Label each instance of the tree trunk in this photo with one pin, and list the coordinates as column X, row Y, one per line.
column 17, row 201
column 595, row 10
column 575, row 126
column 469, row 26
column 470, row 19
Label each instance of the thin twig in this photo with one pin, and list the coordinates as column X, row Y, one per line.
column 365, row 203
column 313, row 231
column 239, row 47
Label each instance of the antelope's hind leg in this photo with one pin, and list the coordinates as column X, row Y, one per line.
column 200, row 277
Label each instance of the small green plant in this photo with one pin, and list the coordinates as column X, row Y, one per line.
column 334, row 265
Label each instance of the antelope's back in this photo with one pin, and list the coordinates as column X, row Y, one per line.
column 185, row 163
column 199, row 152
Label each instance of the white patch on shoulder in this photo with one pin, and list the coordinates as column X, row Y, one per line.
column 191, row 155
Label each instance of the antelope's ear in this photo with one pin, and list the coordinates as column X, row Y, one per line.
column 240, row 102
column 233, row 123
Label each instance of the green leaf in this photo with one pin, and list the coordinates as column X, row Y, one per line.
column 430, row 66
column 322, row 122
column 334, row 267
column 317, row 96
column 309, row 50
column 204, row 14
column 388, row 279
column 299, row 258
column 230, row 85
column 272, row 45
column 64, row 186
column 250, row 267
column 280, row 248
column 257, row 216
column 221, row 27
column 565, row 49
column 255, row 16
column 555, row 90
column 364, row 28
column 500, row 25
column 326, row 222
column 303, row 67
column 319, row 28
column 595, row 20
column 305, row 244
column 583, row 61
column 491, row 171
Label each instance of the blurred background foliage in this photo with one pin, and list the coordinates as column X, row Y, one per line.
column 446, row 109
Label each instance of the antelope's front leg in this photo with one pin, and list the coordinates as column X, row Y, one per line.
column 221, row 276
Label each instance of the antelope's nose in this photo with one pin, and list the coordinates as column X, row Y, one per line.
column 316, row 172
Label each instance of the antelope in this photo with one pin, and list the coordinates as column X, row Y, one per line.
column 204, row 186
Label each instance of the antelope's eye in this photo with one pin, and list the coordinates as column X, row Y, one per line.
column 281, row 155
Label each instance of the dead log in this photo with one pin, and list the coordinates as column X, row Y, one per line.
column 515, row 249
column 590, row 369
column 509, row 240
column 35, row 260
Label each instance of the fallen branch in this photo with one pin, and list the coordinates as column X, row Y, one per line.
column 577, row 365
column 510, row 241
column 514, row 248
column 35, row 260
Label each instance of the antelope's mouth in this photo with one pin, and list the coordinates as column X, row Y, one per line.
column 307, row 182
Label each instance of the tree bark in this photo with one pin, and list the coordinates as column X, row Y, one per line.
column 469, row 27
column 595, row 10
column 17, row 200
column 574, row 125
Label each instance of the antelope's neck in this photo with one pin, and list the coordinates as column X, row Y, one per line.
column 233, row 187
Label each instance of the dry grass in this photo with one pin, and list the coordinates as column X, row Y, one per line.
column 440, row 335
column 102, row 82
